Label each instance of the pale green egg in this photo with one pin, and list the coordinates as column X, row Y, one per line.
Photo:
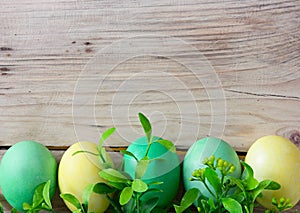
column 202, row 149
column 23, row 167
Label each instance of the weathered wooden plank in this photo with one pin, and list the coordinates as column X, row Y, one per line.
column 197, row 68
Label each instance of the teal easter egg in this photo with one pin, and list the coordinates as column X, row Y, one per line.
column 202, row 149
column 23, row 167
column 164, row 167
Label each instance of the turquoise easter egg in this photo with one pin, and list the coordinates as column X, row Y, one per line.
column 202, row 149
column 23, row 167
column 164, row 167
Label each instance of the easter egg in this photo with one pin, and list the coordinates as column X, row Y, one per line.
column 278, row 159
column 163, row 167
column 201, row 150
column 77, row 171
column 24, row 166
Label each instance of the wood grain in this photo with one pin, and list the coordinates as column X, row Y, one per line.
column 197, row 68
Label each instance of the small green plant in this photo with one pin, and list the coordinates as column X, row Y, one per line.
column 280, row 205
column 129, row 192
column 80, row 207
column 228, row 194
column 104, row 161
column 124, row 192
column 40, row 201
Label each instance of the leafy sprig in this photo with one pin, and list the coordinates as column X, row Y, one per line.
column 228, row 193
column 129, row 192
column 80, row 207
column 280, row 205
column 40, row 201
column 125, row 193
column 104, row 160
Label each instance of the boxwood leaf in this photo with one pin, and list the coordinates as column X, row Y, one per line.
column 213, row 178
column 125, row 152
column 13, row 210
column 265, row 184
column 188, row 199
column 86, row 196
column 71, row 199
column 105, row 135
column 155, row 183
column 232, row 205
column 146, row 126
column 238, row 183
column 211, row 204
column 167, row 144
column 248, row 177
column 38, row 195
column 26, row 206
column 148, row 205
column 113, row 175
column 1, row 208
column 139, row 186
column 141, row 167
column 273, row 185
column 117, row 185
column 103, row 188
column 125, row 195
column 46, row 194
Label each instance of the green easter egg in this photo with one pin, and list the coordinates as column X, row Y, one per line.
column 23, row 167
column 164, row 167
column 202, row 149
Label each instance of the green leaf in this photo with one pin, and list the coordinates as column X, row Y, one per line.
column 113, row 175
column 155, row 183
column 45, row 207
column 265, row 184
column 46, row 194
column 141, row 167
column 248, row 171
column 103, row 188
column 125, row 195
column 239, row 197
column 125, row 152
column 139, row 186
column 86, row 196
column 117, row 185
column 148, row 205
column 106, row 134
column 71, row 199
column 238, row 183
column 38, row 195
column 232, row 205
column 167, row 144
column 13, row 210
column 273, row 186
column 248, row 176
column 188, row 199
column 211, row 203
column 26, row 206
column 146, row 126
column 1, row 208
column 214, row 180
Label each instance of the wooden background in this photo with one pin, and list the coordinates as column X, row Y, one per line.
column 71, row 69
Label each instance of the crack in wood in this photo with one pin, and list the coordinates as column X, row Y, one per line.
column 263, row 94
